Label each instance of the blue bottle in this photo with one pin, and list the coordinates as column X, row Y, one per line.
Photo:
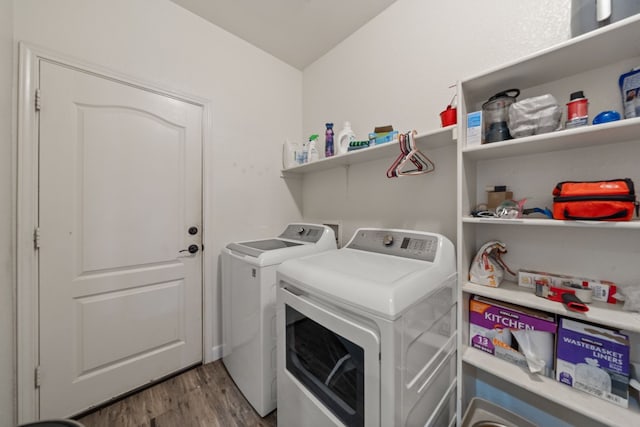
column 328, row 138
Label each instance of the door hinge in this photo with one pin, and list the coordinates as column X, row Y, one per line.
column 38, row 101
column 37, row 377
column 36, row 238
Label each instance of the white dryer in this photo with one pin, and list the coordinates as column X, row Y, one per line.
column 367, row 333
column 248, row 306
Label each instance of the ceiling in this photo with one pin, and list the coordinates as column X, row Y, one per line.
column 296, row 31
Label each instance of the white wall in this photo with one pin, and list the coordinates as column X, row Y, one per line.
column 6, row 235
column 256, row 103
column 396, row 70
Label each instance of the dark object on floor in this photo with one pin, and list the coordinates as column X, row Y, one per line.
column 53, row 423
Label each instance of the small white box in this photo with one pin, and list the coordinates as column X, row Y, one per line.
column 474, row 128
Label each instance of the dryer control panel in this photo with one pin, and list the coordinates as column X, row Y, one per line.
column 403, row 243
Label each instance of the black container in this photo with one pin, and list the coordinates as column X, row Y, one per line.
column 495, row 116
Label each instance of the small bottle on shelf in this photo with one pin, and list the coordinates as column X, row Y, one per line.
column 328, row 147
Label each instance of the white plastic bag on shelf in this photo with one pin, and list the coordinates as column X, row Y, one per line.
column 291, row 154
column 533, row 116
column 630, row 295
column 488, row 267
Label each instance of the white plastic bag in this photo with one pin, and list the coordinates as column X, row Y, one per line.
column 630, row 295
column 533, row 116
column 487, row 267
column 291, row 154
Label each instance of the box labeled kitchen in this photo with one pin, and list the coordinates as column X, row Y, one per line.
column 594, row 359
column 519, row 335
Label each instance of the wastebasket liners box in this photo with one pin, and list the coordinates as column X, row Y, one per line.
column 630, row 90
column 612, row 200
column 593, row 359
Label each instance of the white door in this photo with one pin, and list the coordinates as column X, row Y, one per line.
column 119, row 188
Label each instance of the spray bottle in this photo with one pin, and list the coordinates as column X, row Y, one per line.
column 313, row 150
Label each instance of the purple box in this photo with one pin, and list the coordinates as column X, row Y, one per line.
column 506, row 330
column 594, row 359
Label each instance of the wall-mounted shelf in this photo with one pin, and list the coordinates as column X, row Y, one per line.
column 428, row 140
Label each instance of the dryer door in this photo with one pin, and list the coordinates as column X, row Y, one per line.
column 333, row 358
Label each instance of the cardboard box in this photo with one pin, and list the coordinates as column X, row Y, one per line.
column 594, row 359
column 601, row 290
column 491, row 326
column 382, row 137
column 494, row 198
column 474, row 128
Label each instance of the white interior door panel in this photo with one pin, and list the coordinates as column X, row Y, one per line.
column 120, row 183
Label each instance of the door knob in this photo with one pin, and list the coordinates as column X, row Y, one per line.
column 192, row 249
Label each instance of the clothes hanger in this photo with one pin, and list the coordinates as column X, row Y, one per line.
column 404, row 142
column 419, row 159
column 391, row 172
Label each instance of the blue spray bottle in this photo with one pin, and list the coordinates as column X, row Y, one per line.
column 328, row 135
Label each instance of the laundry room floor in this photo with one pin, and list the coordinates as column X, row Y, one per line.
column 202, row 396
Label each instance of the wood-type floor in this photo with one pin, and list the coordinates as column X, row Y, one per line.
column 204, row 396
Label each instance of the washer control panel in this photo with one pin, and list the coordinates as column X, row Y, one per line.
column 308, row 233
column 403, row 243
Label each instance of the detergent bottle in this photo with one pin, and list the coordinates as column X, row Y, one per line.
column 345, row 137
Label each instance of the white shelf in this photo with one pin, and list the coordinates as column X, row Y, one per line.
column 548, row 388
column 589, row 51
column 543, row 222
column 599, row 312
column 434, row 139
column 586, row 136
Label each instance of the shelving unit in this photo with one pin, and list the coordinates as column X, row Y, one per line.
column 428, row 140
column 532, row 166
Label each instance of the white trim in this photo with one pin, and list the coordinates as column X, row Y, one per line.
column 216, row 353
column 27, row 219
column 26, row 257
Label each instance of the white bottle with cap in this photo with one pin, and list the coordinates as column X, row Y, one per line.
column 345, row 137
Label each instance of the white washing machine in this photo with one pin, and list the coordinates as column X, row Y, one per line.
column 248, row 306
column 367, row 333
